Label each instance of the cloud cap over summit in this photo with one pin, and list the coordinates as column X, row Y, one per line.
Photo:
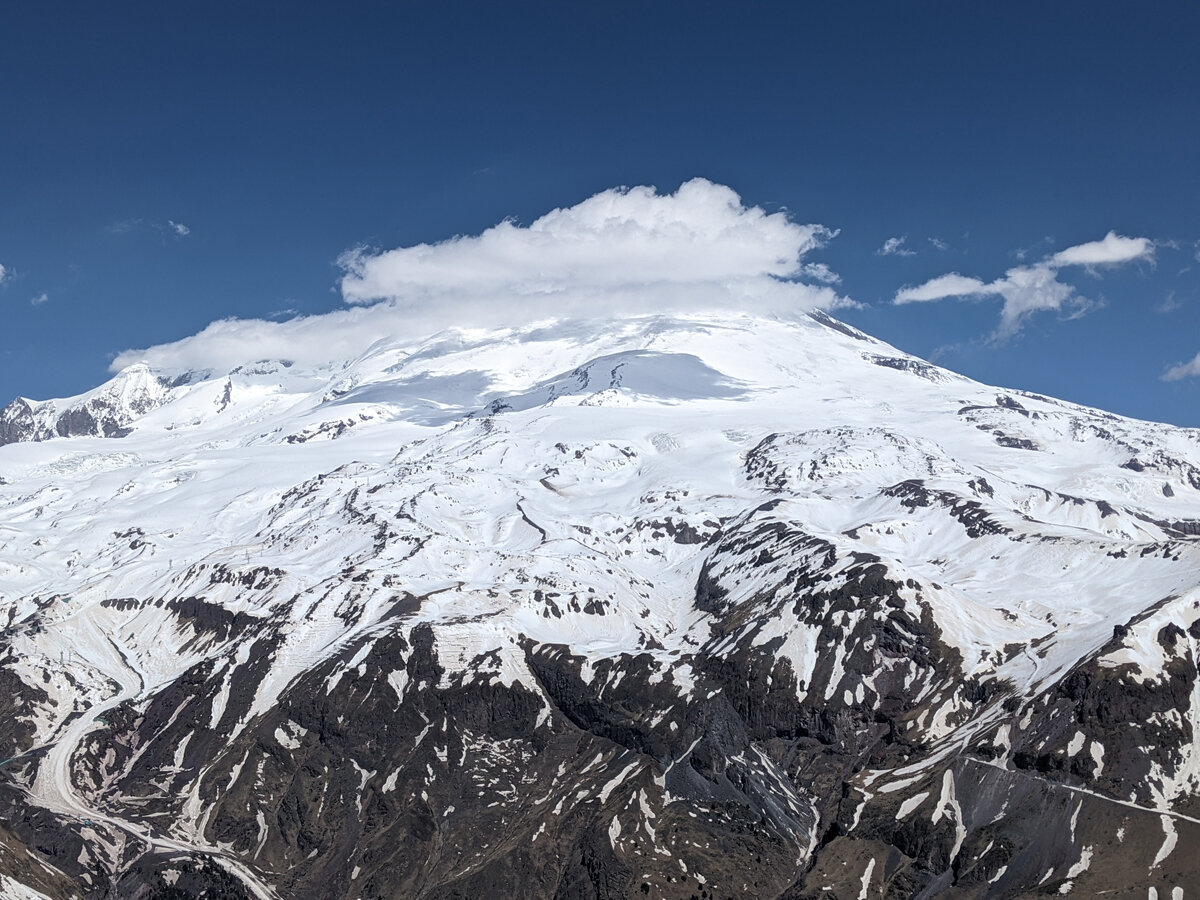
column 621, row 251
column 618, row 238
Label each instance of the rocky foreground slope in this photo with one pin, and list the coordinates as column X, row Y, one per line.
column 672, row 607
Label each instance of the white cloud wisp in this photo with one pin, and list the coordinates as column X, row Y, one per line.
column 894, row 246
column 1032, row 288
column 952, row 285
column 1111, row 250
column 1183, row 370
column 623, row 251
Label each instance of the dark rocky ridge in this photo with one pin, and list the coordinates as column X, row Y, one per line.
column 460, row 788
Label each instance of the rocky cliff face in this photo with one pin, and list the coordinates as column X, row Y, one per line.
column 105, row 412
column 668, row 608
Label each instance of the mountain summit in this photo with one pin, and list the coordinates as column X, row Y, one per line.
column 671, row 606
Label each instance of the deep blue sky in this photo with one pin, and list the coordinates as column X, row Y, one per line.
column 284, row 133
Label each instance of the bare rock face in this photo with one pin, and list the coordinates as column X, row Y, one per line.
column 771, row 611
column 106, row 412
column 16, row 422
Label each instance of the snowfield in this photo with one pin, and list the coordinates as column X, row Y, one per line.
column 650, row 500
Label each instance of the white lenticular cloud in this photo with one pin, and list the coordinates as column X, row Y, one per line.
column 619, row 238
column 952, row 285
column 1034, row 288
column 1184, row 370
column 1111, row 250
column 622, row 251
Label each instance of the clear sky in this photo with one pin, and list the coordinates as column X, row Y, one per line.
column 164, row 165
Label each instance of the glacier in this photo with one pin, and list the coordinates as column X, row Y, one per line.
column 672, row 605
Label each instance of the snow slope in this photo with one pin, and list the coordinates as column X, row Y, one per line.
column 655, row 497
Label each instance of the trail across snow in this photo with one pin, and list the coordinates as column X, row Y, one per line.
column 1183, row 817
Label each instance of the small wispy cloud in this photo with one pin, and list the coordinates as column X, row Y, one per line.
column 123, row 226
column 894, row 246
column 939, row 244
column 1170, row 303
column 171, row 228
column 1183, row 370
column 1023, row 253
column 4, row 273
column 1032, row 288
column 39, row 299
column 820, row 272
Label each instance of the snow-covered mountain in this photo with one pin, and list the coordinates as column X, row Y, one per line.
column 691, row 606
column 104, row 412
